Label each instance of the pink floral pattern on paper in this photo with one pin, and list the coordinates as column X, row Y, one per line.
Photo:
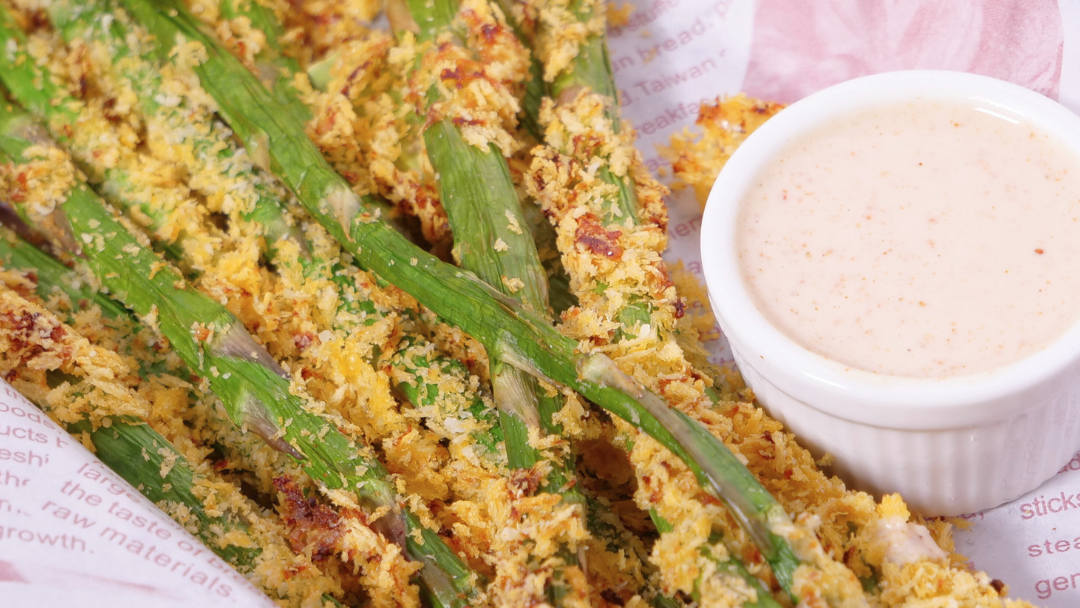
column 801, row 47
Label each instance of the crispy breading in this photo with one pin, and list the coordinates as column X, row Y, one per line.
column 557, row 51
column 326, row 24
column 474, row 83
column 104, row 141
column 370, row 138
column 618, row 16
column 35, row 342
column 390, row 87
column 696, row 159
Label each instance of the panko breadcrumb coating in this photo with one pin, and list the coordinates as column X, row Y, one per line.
column 472, row 84
column 105, row 147
column 313, row 27
column 618, row 14
column 370, row 137
column 696, row 159
column 36, row 343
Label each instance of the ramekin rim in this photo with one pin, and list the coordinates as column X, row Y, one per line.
column 825, row 384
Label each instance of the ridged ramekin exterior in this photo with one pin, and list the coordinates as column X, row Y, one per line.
column 937, row 471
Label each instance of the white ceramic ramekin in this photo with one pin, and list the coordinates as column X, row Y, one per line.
column 949, row 446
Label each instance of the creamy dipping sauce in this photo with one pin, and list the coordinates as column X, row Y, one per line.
column 926, row 239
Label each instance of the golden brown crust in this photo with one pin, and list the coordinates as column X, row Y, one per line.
column 696, row 160
column 35, row 342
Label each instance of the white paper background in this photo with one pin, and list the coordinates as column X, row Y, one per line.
column 669, row 57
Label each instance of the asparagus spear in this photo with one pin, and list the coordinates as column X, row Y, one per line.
column 52, row 277
column 475, row 181
column 535, row 88
column 125, row 443
column 589, row 70
column 479, row 198
column 213, row 154
column 130, row 179
column 211, row 160
column 254, row 389
column 280, row 73
column 517, row 336
column 486, row 219
column 275, row 69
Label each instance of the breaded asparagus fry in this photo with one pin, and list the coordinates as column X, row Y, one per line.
column 254, row 389
column 86, row 389
column 365, row 145
column 478, row 195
